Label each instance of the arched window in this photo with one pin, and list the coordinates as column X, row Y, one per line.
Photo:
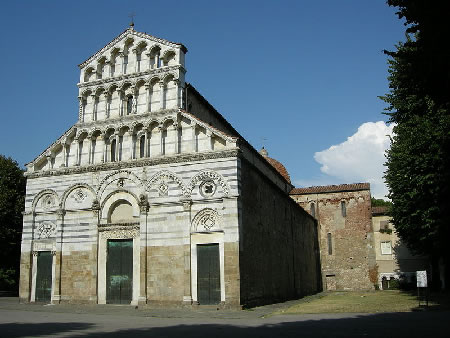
column 113, row 151
column 129, row 105
column 142, row 146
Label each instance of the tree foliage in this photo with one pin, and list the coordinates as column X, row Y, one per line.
column 12, row 194
column 418, row 162
column 379, row 202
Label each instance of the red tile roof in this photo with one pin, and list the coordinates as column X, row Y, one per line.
column 330, row 188
column 279, row 167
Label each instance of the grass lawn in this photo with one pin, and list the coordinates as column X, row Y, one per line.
column 357, row 301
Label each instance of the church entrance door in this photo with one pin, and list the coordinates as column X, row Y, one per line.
column 208, row 274
column 119, row 271
column 44, row 276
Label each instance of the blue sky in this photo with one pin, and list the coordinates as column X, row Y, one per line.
column 298, row 77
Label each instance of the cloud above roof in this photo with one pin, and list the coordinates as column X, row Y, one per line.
column 360, row 158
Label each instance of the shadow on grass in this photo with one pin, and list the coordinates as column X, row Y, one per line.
column 437, row 301
column 411, row 324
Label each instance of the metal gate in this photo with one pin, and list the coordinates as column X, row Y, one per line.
column 208, row 274
column 44, row 276
column 119, row 271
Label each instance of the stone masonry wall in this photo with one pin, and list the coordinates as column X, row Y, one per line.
column 279, row 256
column 351, row 259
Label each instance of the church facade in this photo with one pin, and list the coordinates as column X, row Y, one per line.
column 153, row 198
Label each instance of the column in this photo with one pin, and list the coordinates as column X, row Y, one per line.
column 106, row 95
column 149, row 60
column 119, row 93
column 49, row 160
column 175, row 137
column 89, row 137
column 64, row 152
column 187, row 298
column 117, row 137
column 134, row 51
column 209, row 135
column 146, row 144
column 144, row 207
column 193, row 138
column 161, row 94
column 120, row 56
column 147, row 97
column 130, row 142
column 106, row 69
column 77, row 160
column 135, row 99
column 59, row 256
column 105, row 149
column 176, row 83
column 80, row 109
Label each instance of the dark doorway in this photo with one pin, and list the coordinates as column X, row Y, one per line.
column 208, row 274
column 44, row 276
column 119, row 271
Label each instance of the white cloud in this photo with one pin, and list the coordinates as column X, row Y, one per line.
column 360, row 158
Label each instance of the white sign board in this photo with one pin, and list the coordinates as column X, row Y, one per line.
column 421, row 279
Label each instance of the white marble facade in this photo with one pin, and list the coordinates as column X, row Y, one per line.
column 135, row 166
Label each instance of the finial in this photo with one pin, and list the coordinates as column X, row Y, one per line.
column 132, row 15
column 264, row 152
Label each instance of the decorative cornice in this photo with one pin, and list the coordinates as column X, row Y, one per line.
column 123, row 77
column 178, row 158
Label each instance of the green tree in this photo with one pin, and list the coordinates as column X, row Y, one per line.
column 379, row 202
column 12, row 195
column 418, row 162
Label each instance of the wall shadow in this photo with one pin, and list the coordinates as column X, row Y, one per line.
column 411, row 324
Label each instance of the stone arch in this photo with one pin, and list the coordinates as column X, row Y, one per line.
column 116, row 198
column 72, row 188
column 161, row 178
column 168, row 57
column 208, row 175
column 41, row 194
column 117, row 175
column 206, row 220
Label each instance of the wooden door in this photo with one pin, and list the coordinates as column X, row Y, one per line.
column 119, row 271
column 208, row 274
column 44, row 276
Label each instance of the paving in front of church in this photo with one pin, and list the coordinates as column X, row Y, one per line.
column 35, row 320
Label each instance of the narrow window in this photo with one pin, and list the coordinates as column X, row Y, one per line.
column 113, row 69
column 113, row 151
column 158, row 61
column 343, row 209
column 330, row 244
column 129, row 105
column 386, row 248
column 313, row 210
column 142, row 146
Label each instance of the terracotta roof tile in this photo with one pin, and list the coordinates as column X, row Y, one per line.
column 279, row 167
column 330, row 188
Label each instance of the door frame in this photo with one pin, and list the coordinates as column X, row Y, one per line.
column 34, row 272
column 133, row 234
column 207, row 238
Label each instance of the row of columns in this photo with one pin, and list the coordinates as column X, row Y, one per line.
column 93, row 100
column 108, row 68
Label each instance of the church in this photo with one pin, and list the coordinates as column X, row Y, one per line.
column 153, row 199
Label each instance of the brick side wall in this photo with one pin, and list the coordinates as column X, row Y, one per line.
column 279, row 258
column 352, row 257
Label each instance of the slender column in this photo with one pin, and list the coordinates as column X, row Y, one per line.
column 105, row 149
column 149, row 60
column 117, row 137
column 119, row 92
column 161, row 140
column 121, row 56
column 106, row 69
column 176, row 82
column 135, row 100
column 209, row 135
column 59, row 256
column 187, row 297
column 175, row 137
column 157, row 60
column 80, row 109
column 134, row 51
column 147, row 97
column 130, row 142
column 77, row 160
column 64, row 151
column 106, row 95
column 161, row 94
column 48, row 155
column 89, row 137
column 146, row 145
column 193, row 138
